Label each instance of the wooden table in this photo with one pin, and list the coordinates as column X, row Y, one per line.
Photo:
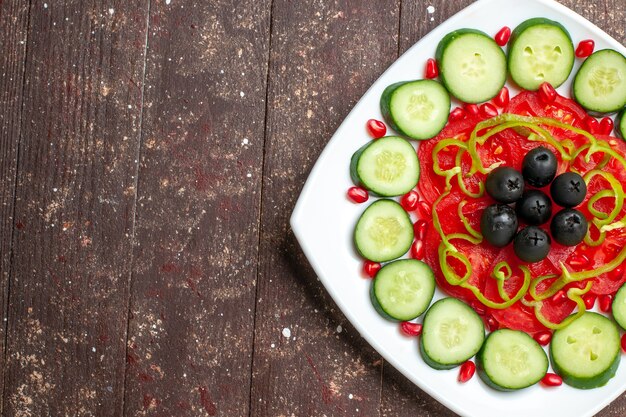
column 151, row 152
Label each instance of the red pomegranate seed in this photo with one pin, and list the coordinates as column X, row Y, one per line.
column 617, row 273
column 409, row 201
column 585, row 48
column 543, row 338
column 466, row 372
column 376, row 128
column 547, row 93
column 371, row 268
column 589, row 300
column 604, row 302
column 431, row 69
column 417, row 249
column 592, row 124
column 425, row 209
column 420, row 228
column 503, row 35
column 502, row 99
column 471, row 109
column 457, row 114
column 551, row 380
column 624, row 342
column 411, row 329
column 478, row 308
column 578, row 260
column 489, row 110
column 492, row 324
column 358, row 194
column 606, row 126
column 559, row 297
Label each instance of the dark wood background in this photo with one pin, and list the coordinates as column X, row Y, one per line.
column 151, row 153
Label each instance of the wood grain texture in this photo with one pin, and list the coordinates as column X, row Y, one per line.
column 13, row 38
column 190, row 335
column 74, row 209
column 308, row 361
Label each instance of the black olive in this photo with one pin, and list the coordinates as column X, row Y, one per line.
column 505, row 185
column 569, row 227
column 568, row 189
column 531, row 244
column 539, row 167
column 534, row 208
column 498, row 224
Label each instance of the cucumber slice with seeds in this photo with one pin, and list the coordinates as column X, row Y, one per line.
column 384, row 232
column 416, row 109
column 620, row 124
column 403, row 289
column 452, row 334
column 586, row 353
column 600, row 84
column 540, row 50
column 511, row 360
column 387, row 166
column 618, row 307
column 472, row 65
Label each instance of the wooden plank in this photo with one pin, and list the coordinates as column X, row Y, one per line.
column 308, row 360
column 74, row 208
column 191, row 332
column 13, row 38
column 400, row 397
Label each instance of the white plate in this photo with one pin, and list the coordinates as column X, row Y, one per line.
column 324, row 219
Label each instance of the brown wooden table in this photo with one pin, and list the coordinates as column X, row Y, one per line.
column 151, row 152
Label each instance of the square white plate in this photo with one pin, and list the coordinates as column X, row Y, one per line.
column 323, row 222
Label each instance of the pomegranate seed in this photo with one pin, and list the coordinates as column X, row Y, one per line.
column 592, row 124
column 547, row 93
column 409, row 201
column 551, row 380
column 604, row 302
column 624, row 342
column 543, row 338
column 417, row 249
column 411, row 329
column 589, row 300
column 425, row 210
column 420, row 228
column 585, row 48
column 492, row 324
column 471, row 109
column 489, row 110
column 580, row 260
column 431, row 69
column 617, row 273
column 502, row 99
column 478, row 308
column 559, row 297
column 358, row 194
column 371, row 268
column 466, row 372
column 457, row 114
column 503, row 35
column 376, row 128
column 606, row 126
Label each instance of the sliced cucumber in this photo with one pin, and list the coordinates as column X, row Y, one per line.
column 452, row 334
column 540, row 50
column 600, row 84
column 403, row 289
column 619, row 307
column 384, row 232
column 586, row 353
column 416, row 109
column 472, row 65
column 387, row 166
column 511, row 360
column 620, row 124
